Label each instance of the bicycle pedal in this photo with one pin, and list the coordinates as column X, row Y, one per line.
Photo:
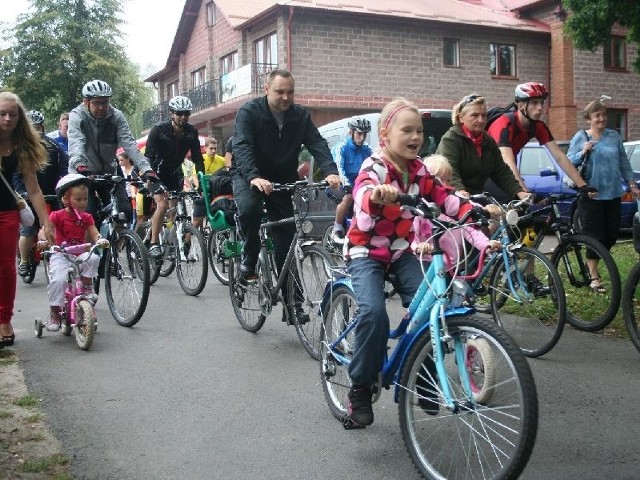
column 349, row 424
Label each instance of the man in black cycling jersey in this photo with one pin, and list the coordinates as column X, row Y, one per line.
column 47, row 179
column 167, row 146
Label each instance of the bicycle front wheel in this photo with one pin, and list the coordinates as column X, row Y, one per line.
column 168, row 261
column 144, row 232
column 217, row 259
column 126, row 277
column 587, row 309
column 192, row 260
column 631, row 305
column 306, row 283
column 247, row 297
column 528, row 301
column 85, row 324
column 457, row 436
column 335, row 359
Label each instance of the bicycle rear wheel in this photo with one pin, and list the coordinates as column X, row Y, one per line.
column 334, row 375
column 631, row 305
column 247, row 297
column 85, row 324
column 587, row 309
column 217, row 259
column 144, row 232
column 534, row 311
column 305, row 289
column 126, row 277
column 192, row 271
column 468, row 439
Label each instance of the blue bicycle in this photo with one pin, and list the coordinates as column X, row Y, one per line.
column 467, row 401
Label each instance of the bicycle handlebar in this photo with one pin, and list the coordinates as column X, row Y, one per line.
column 299, row 185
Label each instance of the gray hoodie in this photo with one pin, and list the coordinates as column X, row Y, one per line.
column 93, row 143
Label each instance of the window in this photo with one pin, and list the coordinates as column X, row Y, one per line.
column 503, row 60
column 198, row 77
column 451, row 52
column 266, row 50
column 615, row 53
column 211, row 14
column 617, row 120
column 172, row 89
column 228, row 63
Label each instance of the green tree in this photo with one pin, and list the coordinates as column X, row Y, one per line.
column 590, row 22
column 60, row 45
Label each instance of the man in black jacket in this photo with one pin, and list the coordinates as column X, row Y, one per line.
column 269, row 133
column 167, row 145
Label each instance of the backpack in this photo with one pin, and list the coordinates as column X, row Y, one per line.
column 496, row 112
column 220, row 183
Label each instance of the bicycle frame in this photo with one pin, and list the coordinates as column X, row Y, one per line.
column 428, row 309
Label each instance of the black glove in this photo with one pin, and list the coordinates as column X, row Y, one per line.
column 150, row 176
column 585, row 190
column 83, row 170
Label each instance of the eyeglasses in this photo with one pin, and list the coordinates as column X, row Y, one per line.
column 99, row 103
column 182, row 113
column 468, row 99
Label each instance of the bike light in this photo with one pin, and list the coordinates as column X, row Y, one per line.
column 512, row 217
column 307, row 226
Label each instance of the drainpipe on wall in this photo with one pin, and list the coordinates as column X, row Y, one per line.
column 289, row 38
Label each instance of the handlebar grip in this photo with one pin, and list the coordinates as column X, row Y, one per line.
column 408, row 200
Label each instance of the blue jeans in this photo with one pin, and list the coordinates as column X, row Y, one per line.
column 372, row 331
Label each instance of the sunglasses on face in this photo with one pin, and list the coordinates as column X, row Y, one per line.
column 182, row 113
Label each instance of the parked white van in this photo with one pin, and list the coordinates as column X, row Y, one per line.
column 435, row 123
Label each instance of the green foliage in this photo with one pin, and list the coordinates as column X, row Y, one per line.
column 590, row 22
column 62, row 44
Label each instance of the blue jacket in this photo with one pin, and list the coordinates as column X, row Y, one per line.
column 56, row 169
column 607, row 165
column 261, row 150
column 349, row 157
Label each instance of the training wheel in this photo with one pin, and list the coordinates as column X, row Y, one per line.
column 39, row 327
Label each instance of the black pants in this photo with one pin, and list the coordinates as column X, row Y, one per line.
column 250, row 203
column 600, row 219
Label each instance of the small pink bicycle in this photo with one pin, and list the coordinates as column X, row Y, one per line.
column 78, row 310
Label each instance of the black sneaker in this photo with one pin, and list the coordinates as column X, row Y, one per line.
column 427, row 396
column 535, row 286
column 24, row 269
column 359, row 407
column 155, row 251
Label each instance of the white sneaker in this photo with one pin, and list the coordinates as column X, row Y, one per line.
column 337, row 236
column 51, row 325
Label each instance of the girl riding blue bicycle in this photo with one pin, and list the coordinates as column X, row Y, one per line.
column 380, row 237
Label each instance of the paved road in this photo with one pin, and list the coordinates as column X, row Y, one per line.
column 187, row 394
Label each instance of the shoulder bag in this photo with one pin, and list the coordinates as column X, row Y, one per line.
column 26, row 214
column 581, row 167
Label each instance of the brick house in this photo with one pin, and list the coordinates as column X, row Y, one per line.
column 353, row 57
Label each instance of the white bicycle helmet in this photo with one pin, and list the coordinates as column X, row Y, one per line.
column 180, row 103
column 35, row 117
column 68, row 181
column 359, row 124
column 96, row 88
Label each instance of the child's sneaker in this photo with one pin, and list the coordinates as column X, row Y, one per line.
column 53, row 323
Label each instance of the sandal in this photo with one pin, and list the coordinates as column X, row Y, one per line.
column 597, row 287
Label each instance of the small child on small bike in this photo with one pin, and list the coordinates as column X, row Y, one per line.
column 72, row 226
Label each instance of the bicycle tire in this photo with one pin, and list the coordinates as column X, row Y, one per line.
column 305, row 290
column 85, row 324
column 167, row 264
column 468, row 439
column 217, row 259
column 126, row 277
column 330, row 246
column 631, row 305
column 534, row 314
column 584, row 305
column 144, row 232
column 192, row 272
column 334, row 375
column 246, row 297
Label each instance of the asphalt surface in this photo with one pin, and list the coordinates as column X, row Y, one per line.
column 188, row 394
